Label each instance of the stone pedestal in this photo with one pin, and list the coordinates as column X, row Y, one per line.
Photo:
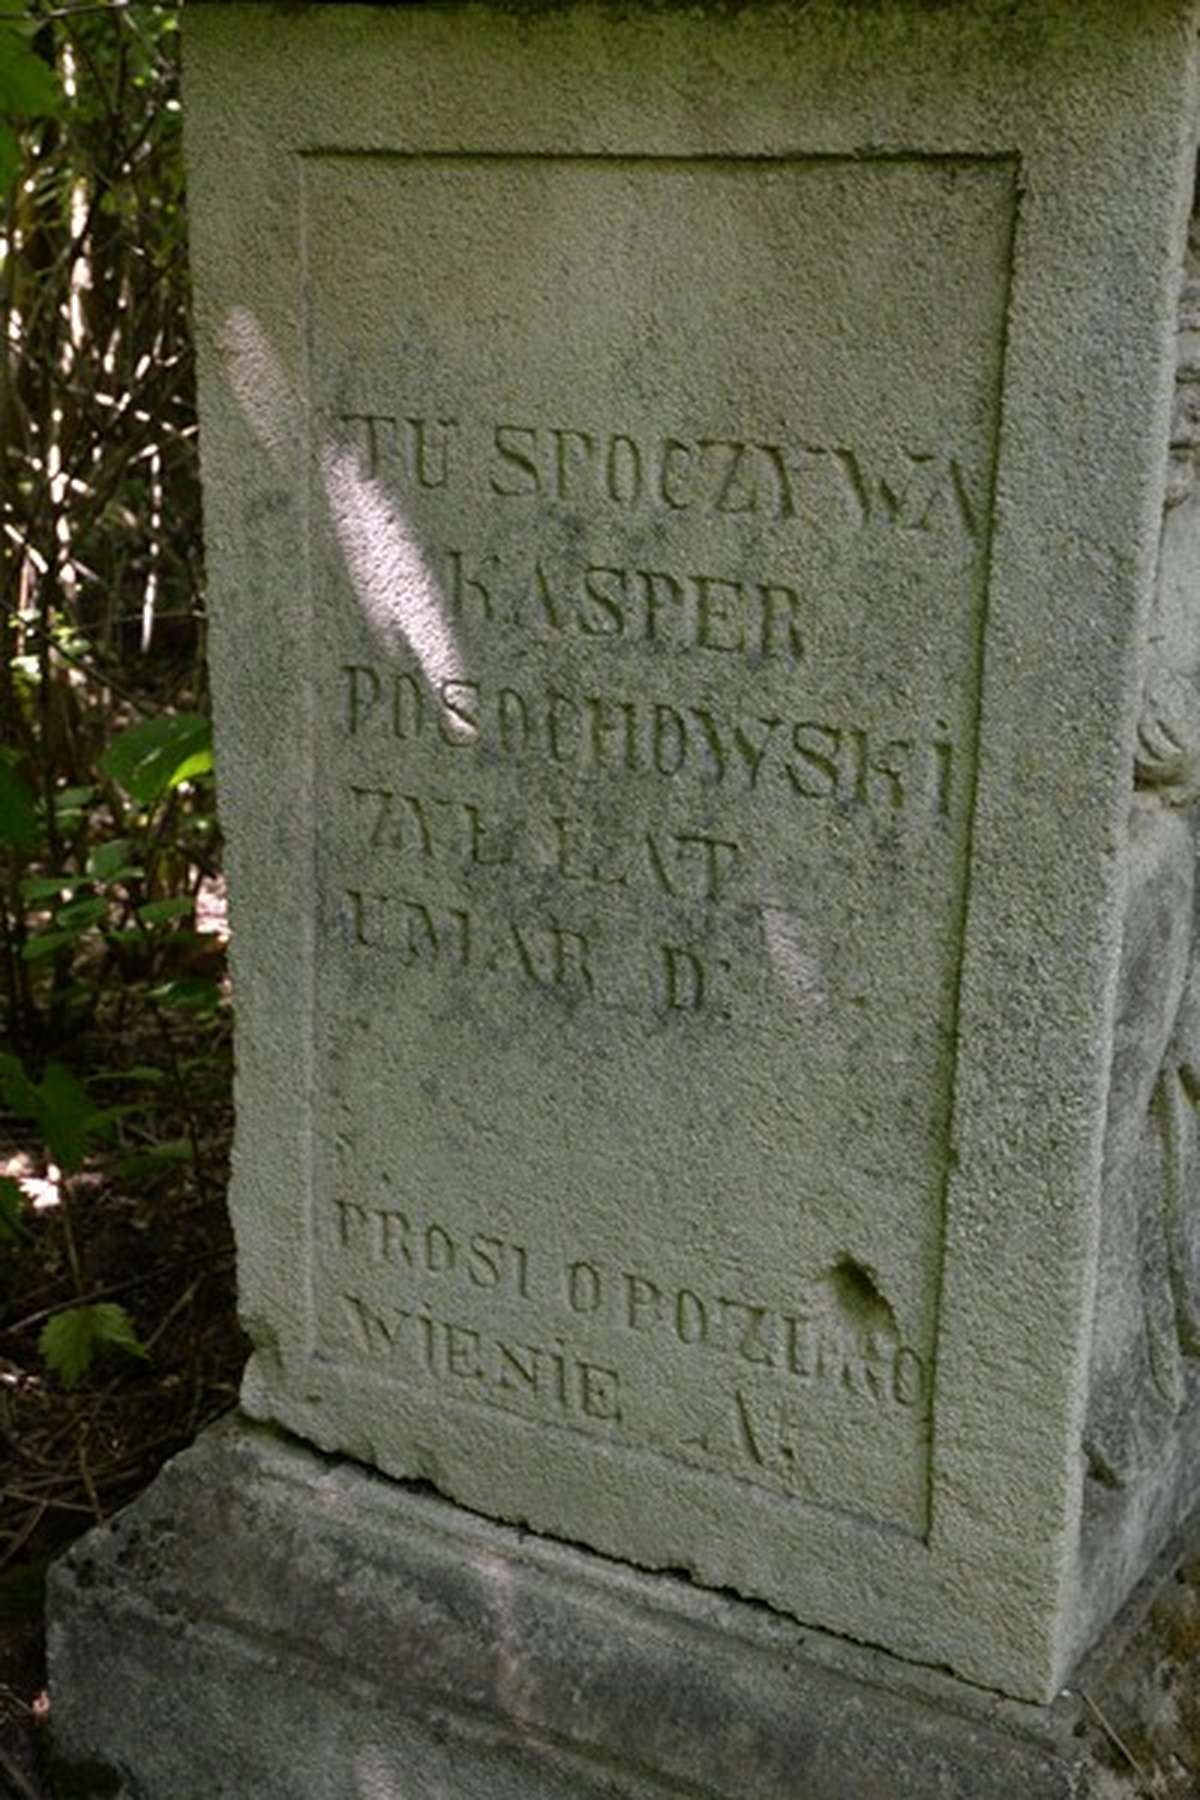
column 272, row 1623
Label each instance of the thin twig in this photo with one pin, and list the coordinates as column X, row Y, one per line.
column 21, row 1537
column 32, row 17
column 88, row 1483
column 199, row 1165
column 1111, row 1733
column 66, row 1203
column 86, row 668
column 71, row 1506
column 14, row 1776
column 188, row 1294
column 107, row 1293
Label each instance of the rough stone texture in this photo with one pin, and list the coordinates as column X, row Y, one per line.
column 684, row 493
column 1142, row 1399
column 294, row 1628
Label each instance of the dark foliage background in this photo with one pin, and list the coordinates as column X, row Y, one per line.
column 117, row 1337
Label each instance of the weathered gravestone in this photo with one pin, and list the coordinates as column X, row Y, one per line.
column 703, row 547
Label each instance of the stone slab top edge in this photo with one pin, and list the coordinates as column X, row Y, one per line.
column 261, row 1467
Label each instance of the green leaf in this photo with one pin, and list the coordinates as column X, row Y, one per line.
column 143, row 1072
column 28, row 87
column 194, row 767
column 58, row 1105
column 66, row 1117
column 77, row 915
column 48, row 887
column 170, row 1154
column 68, row 1344
column 108, row 862
column 16, row 1090
column 149, row 758
column 156, row 912
column 71, row 1340
column 12, row 1211
column 70, row 804
column 192, row 992
column 47, row 943
column 115, row 1327
column 19, row 828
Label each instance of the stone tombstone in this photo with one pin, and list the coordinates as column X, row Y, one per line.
column 707, row 739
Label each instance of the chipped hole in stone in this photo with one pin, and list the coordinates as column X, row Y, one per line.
column 859, row 1299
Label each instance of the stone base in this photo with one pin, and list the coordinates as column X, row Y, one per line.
column 265, row 1623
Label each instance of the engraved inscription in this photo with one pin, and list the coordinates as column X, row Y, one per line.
column 823, row 1338
column 426, row 1250
column 412, row 931
column 590, row 732
column 490, row 1369
column 443, row 829
column 679, row 611
column 444, row 1307
column 907, row 488
column 648, row 616
column 539, row 953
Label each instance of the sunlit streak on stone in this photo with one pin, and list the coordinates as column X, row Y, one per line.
column 259, row 382
column 792, row 960
column 375, row 1779
column 398, row 595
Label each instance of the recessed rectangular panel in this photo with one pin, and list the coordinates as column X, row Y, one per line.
column 649, row 537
